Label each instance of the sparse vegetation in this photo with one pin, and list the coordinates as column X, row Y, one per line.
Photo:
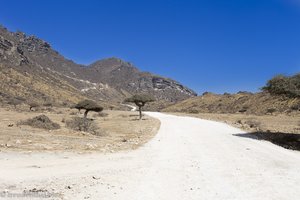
column 83, row 124
column 271, row 110
column 140, row 100
column 284, row 85
column 41, row 121
column 101, row 114
column 261, row 103
column 253, row 123
column 193, row 111
column 88, row 105
column 48, row 104
column 295, row 107
column 14, row 102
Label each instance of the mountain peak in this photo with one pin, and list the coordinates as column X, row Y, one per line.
column 110, row 62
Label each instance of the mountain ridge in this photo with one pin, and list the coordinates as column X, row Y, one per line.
column 110, row 79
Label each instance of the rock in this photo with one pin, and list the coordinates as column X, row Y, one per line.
column 90, row 146
column 8, row 145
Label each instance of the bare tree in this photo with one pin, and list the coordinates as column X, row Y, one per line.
column 140, row 100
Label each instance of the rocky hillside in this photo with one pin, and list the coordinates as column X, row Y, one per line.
column 33, row 70
column 242, row 102
column 125, row 77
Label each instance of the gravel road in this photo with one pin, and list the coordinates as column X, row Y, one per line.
column 188, row 159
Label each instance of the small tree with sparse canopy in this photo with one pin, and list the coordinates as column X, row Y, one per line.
column 140, row 100
column 88, row 105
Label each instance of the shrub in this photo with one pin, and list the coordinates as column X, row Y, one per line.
column 244, row 109
column 83, row 124
column 193, row 111
column 205, row 93
column 295, row 107
column 14, row 102
column 271, row 110
column 73, row 113
column 41, row 121
column 101, row 114
column 284, row 85
column 253, row 123
column 48, row 104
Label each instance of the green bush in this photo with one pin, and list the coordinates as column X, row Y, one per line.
column 284, row 85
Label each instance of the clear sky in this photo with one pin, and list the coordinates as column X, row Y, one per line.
column 208, row 45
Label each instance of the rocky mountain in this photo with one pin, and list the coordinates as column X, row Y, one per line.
column 32, row 69
column 124, row 76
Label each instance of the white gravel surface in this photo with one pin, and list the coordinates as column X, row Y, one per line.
column 188, row 159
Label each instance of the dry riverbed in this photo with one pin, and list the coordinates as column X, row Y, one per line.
column 119, row 131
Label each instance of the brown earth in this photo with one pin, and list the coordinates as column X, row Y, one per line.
column 261, row 103
column 251, row 123
column 120, row 130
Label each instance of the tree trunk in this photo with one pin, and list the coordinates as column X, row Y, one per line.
column 85, row 113
column 140, row 111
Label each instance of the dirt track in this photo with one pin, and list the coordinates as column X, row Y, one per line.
column 188, row 159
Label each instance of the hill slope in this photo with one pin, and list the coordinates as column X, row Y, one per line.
column 43, row 74
column 243, row 102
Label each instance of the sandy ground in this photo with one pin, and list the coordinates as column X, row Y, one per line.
column 273, row 123
column 120, row 130
column 189, row 158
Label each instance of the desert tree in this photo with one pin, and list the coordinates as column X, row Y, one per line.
column 88, row 105
column 140, row 100
column 111, row 107
column 284, row 85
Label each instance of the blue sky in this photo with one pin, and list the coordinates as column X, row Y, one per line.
column 219, row 46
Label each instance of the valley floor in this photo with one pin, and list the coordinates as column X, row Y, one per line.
column 189, row 158
column 267, row 123
column 119, row 131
